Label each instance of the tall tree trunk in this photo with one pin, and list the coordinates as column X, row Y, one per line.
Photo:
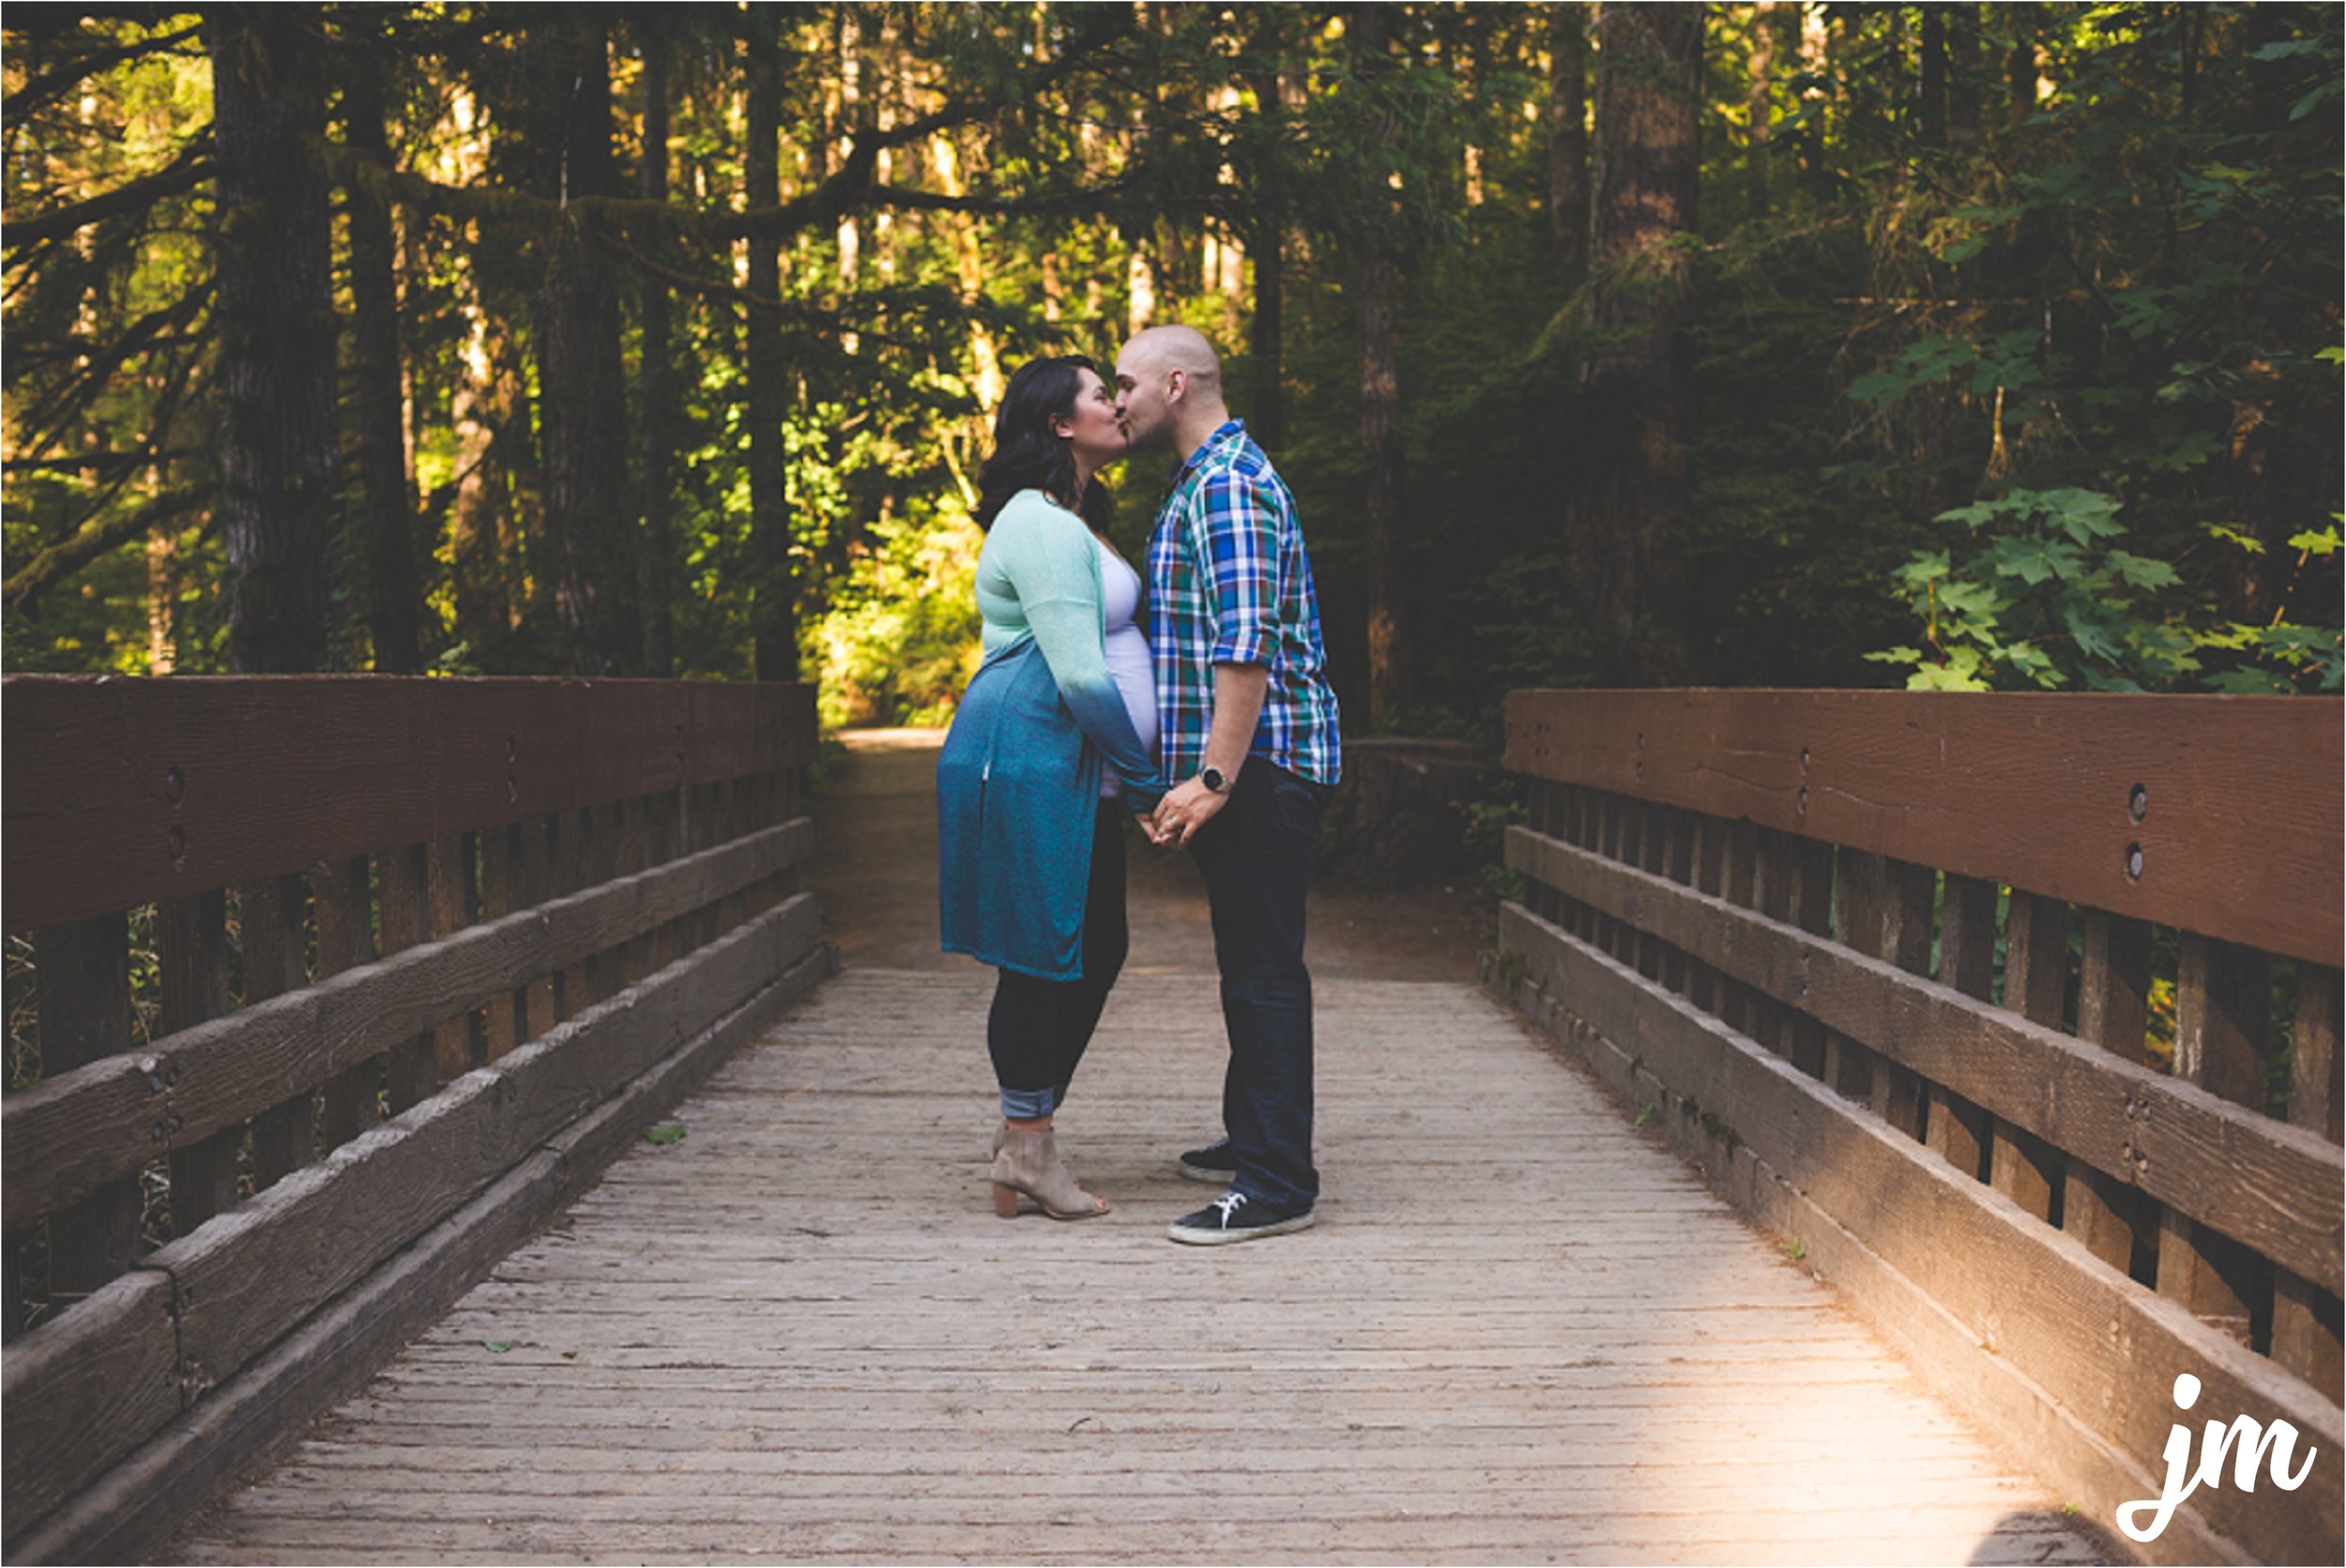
column 657, row 378
column 1758, row 107
column 1628, row 509
column 1376, row 282
column 1963, row 78
column 1568, row 138
column 773, row 603
column 1934, row 77
column 278, row 440
column 2020, row 64
column 394, row 593
column 582, row 379
column 492, row 408
column 1265, row 241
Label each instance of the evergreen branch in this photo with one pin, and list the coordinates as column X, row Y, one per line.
column 189, row 169
column 851, row 188
column 54, row 85
column 1089, row 199
column 96, row 536
column 93, row 463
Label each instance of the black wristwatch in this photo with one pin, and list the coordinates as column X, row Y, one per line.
column 1214, row 780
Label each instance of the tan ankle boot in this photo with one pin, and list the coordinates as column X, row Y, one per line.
column 1029, row 1163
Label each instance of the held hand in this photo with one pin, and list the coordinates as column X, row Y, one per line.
column 1158, row 837
column 1187, row 807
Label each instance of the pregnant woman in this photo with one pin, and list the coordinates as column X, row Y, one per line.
column 1052, row 748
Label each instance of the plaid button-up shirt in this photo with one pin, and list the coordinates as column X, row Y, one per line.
column 1229, row 583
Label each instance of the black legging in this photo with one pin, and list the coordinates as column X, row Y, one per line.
column 1039, row 1027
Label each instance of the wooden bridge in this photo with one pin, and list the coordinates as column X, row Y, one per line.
column 1973, row 1073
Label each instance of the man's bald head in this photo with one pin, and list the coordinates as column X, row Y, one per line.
column 1177, row 348
column 1168, row 384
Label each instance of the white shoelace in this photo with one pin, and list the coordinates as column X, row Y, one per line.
column 1229, row 1203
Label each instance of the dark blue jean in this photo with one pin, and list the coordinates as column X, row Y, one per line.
column 1255, row 855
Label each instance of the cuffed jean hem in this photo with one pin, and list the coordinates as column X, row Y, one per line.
column 1032, row 1105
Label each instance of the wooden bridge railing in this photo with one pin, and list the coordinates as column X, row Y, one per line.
column 2020, row 1014
column 323, row 992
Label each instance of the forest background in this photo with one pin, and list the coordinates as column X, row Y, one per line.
column 1808, row 344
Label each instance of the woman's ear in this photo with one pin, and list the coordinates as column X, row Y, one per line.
column 1062, row 427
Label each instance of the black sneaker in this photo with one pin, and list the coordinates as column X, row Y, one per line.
column 1236, row 1217
column 1212, row 1164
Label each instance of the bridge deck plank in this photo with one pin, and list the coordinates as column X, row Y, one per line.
column 1522, row 1331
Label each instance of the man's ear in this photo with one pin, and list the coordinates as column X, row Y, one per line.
column 1176, row 383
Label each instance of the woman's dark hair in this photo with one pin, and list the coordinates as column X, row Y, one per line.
column 1026, row 454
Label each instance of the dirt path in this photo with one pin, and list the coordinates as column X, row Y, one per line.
column 876, row 869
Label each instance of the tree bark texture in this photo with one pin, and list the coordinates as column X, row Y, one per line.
column 774, row 607
column 582, row 381
column 1933, row 70
column 1568, row 137
column 1630, row 431
column 279, row 444
column 1376, row 289
column 1963, row 78
column 1757, row 112
column 394, row 594
column 658, row 377
column 1265, row 241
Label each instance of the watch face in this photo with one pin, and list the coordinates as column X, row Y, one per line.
column 1213, row 779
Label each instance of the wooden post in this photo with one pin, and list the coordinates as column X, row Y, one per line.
column 1773, row 873
column 83, row 986
column 272, row 913
column 499, row 897
column 2035, row 977
column 536, row 881
column 607, row 838
column 1812, row 911
column 2222, row 1004
column 345, row 917
column 2305, row 1316
column 2110, row 1217
column 1910, row 898
column 636, row 854
column 1738, row 1007
column 409, row 1071
column 191, row 937
column 450, row 897
column 1954, row 1127
column 574, row 987
column 1708, row 855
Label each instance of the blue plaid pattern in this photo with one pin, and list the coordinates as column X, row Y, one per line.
column 1229, row 583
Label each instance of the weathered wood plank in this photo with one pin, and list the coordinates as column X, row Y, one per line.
column 342, row 894
column 263, row 775
column 129, row 1513
column 2035, row 791
column 2106, row 1350
column 244, row 1281
column 83, row 988
column 68, row 1132
column 451, row 900
column 191, row 939
column 84, row 1389
column 272, row 911
column 2274, row 1187
column 410, row 1073
column 1393, row 1383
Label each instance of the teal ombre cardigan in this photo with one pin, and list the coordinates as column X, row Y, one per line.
column 1018, row 782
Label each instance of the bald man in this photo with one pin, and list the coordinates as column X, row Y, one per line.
column 1248, row 728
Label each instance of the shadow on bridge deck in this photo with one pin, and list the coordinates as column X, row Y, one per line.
column 1523, row 1332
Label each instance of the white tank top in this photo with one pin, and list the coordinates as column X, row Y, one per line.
column 1127, row 654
